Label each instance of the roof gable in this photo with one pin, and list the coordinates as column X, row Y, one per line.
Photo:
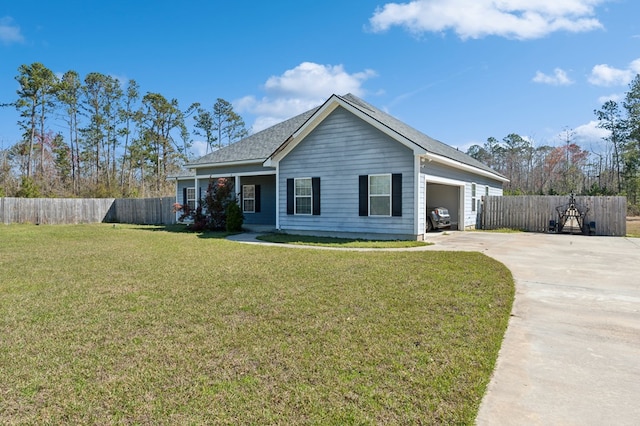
column 272, row 144
column 415, row 140
column 351, row 104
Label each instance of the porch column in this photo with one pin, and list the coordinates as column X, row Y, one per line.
column 197, row 185
column 237, row 188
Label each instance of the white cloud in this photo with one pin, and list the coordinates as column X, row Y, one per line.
column 605, row 75
column 519, row 19
column 199, row 148
column 589, row 136
column 615, row 97
column 9, row 32
column 300, row 89
column 559, row 78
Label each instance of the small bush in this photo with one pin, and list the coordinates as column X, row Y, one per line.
column 234, row 218
column 211, row 213
column 28, row 189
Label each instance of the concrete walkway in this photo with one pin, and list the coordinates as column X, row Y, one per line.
column 571, row 353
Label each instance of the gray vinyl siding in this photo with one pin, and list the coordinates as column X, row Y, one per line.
column 182, row 184
column 267, row 214
column 201, row 191
column 338, row 151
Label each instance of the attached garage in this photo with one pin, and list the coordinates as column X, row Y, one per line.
column 449, row 196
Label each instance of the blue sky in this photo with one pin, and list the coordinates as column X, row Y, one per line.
column 458, row 70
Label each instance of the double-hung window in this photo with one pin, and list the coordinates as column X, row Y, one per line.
column 303, row 196
column 380, row 195
column 191, row 198
column 248, row 198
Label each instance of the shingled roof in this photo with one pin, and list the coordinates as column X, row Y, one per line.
column 260, row 146
column 429, row 144
column 257, row 147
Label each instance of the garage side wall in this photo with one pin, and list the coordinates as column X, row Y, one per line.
column 471, row 204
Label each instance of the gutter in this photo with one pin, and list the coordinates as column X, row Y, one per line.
column 461, row 166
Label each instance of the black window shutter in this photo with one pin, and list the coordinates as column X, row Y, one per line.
column 363, row 197
column 315, row 190
column 184, row 196
column 396, row 194
column 199, row 195
column 257, row 199
column 290, row 195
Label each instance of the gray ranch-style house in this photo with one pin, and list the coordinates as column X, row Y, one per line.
column 344, row 169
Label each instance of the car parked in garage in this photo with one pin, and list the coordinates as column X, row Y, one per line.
column 438, row 218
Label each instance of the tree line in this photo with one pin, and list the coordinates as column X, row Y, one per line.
column 569, row 168
column 115, row 143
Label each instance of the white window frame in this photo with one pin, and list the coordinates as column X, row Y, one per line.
column 191, row 200
column 297, row 197
column 381, row 195
column 246, row 198
column 473, row 196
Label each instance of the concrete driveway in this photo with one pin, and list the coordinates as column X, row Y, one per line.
column 571, row 353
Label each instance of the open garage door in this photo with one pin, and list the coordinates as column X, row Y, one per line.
column 448, row 196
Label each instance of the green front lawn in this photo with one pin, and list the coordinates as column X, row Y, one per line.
column 137, row 325
column 338, row 242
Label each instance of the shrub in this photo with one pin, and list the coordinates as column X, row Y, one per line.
column 219, row 196
column 211, row 212
column 28, row 189
column 234, row 218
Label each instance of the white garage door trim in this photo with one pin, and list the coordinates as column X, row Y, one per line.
column 450, row 182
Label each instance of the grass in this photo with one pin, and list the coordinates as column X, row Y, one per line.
column 500, row 230
column 338, row 242
column 633, row 226
column 137, row 325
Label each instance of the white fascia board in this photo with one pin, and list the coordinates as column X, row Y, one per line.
column 225, row 164
column 293, row 140
column 181, row 177
column 225, row 175
column 326, row 109
column 461, row 166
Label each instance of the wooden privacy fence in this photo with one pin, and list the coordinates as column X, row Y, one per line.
column 144, row 211
column 57, row 211
column 532, row 213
